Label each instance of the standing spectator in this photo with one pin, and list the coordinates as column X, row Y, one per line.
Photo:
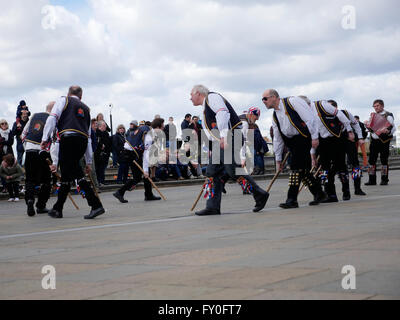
column 6, row 142
column 362, row 145
column 17, row 129
column 170, row 134
column 118, row 141
column 103, row 150
column 22, row 106
column 100, row 117
column 185, row 125
column 6, row 139
column 93, row 129
column 197, row 127
column 11, row 172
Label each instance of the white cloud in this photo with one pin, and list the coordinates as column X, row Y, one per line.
column 145, row 56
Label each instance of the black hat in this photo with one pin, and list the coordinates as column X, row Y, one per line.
column 22, row 103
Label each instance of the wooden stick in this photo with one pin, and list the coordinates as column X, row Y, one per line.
column 278, row 172
column 69, row 195
column 311, row 171
column 93, row 186
column 151, row 181
column 198, row 197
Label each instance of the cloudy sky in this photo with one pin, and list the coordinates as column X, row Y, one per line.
column 145, row 56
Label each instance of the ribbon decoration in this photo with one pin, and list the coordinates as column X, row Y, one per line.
column 246, row 186
column 357, row 173
column 323, row 176
column 80, row 191
column 209, row 188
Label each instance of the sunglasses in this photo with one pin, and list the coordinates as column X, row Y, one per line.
column 266, row 98
column 4, row 123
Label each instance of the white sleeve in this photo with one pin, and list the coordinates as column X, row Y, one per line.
column 222, row 114
column 54, row 150
column 25, row 131
column 278, row 142
column 148, row 141
column 89, row 150
column 303, row 109
column 53, row 119
column 354, row 124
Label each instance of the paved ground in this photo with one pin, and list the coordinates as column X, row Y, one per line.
column 161, row 251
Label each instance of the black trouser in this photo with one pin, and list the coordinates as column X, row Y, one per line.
column 377, row 147
column 300, row 166
column 137, row 175
column 221, row 169
column 72, row 149
column 352, row 159
column 13, row 189
column 332, row 151
column 38, row 174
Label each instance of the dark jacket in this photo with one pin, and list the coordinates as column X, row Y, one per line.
column 6, row 144
column 118, row 141
column 104, row 144
column 167, row 130
column 17, row 131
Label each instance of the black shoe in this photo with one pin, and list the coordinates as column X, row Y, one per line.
column 318, row 199
column 55, row 214
column 208, row 212
column 42, row 210
column 290, row 204
column 120, row 197
column 223, row 190
column 346, row 196
column 261, row 202
column 384, row 183
column 359, row 192
column 151, row 198
column 31, row 210
column 330, row 199
column 94, row 213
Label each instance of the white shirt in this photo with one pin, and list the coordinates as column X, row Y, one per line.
column 323, row 131
column 302, row 108
column 222, row 115
column 51, row 123
column 355, row 125
column 391, row 120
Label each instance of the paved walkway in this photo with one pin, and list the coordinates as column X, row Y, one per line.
column 160, row 251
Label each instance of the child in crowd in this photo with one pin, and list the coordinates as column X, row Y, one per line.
column 12, row 173
column 22, row 106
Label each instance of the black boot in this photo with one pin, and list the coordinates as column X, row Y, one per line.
column 372, row 176
column 330, row 190
column 207, row 212
column 63, row 192
column 294, row 185
column 371, row 181
column 120, row 197
column 344, row 178
column 260, row 196
column 31, row 210
column 148, row 191
column 357, row 187
column 314, row 185
column 92, row 200
column 43, row 197
column 384, row 175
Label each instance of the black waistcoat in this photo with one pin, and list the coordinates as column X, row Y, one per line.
column 75, row 117
column 331, row 122
column 210, row 120
column 35, row 130
column 294, row 119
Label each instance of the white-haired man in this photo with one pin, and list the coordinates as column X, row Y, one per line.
column 220, row 119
